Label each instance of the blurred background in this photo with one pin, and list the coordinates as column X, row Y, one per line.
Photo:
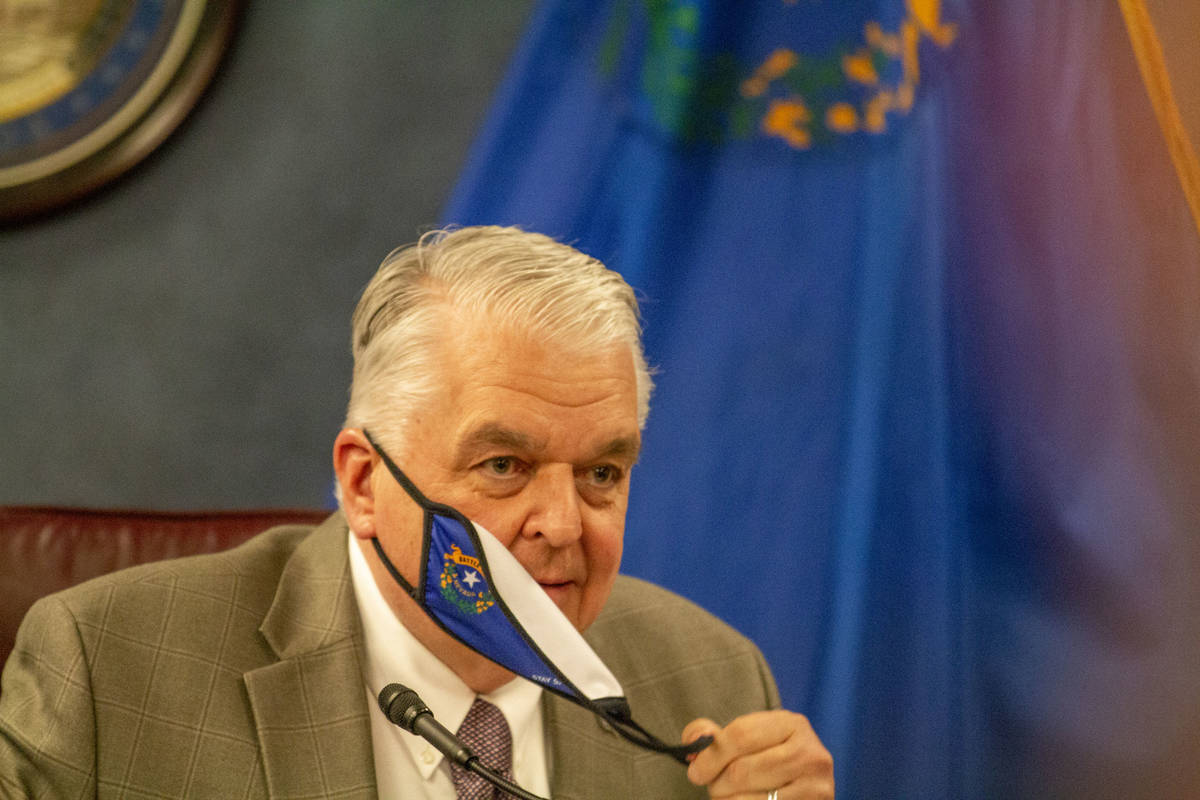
column 180, row 339
column 921, row 279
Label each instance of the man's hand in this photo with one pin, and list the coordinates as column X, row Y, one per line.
column 759, row 753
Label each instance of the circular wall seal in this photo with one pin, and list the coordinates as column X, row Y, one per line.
column 89, row 87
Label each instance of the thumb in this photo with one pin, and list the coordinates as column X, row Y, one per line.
column 697, row 728
column 691, row 732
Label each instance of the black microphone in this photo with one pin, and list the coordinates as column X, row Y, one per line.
column 402, row 706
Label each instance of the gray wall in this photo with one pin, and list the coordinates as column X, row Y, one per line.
column 181, row 339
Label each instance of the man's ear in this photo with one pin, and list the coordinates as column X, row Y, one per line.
column 354, row 462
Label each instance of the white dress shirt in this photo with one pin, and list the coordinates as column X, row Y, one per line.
column 405, row 765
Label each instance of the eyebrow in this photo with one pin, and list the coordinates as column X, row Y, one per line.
column 493, row 435
column 621, row 447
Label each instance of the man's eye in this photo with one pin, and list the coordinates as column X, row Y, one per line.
column 501, row 465
column 603, row 475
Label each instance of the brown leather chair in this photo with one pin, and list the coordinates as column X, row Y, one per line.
column 44, row 549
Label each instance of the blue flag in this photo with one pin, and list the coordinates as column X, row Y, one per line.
column 922, row 280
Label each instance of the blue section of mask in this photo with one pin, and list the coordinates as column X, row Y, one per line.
column 460, row 595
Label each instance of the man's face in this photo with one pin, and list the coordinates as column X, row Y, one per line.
column 533, row 443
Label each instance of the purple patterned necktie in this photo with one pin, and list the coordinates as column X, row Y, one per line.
column 485, row 731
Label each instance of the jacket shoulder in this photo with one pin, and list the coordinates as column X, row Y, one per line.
column 254, row 563
column 654, row 640
column 196, row 604
column 161, row 646
column 638, row 606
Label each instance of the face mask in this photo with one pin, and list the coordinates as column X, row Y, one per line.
column 477, row 591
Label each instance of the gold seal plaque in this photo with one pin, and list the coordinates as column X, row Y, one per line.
column 89, row 87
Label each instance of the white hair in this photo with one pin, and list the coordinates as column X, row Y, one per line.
column 544, row 287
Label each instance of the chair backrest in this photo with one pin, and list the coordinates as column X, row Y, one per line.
column 45, row 549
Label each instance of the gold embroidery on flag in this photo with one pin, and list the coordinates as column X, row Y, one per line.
column 791, row 118
column 802, row 99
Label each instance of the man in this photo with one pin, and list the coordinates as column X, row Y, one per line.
column 503, row 373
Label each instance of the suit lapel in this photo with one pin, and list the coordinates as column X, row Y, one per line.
column 309, row 707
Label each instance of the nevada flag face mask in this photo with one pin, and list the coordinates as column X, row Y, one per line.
column 477, row 591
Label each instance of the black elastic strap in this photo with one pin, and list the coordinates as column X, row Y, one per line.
column 622, row 722
column 395, row 573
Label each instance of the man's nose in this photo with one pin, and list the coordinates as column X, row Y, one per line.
column 554, row 511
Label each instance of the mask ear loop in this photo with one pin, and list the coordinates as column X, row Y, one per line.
column 617, row 713
column 395, row 573
column 614, row 710
column 427, row 521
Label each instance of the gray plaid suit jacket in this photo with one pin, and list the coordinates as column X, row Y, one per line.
column 236, row 675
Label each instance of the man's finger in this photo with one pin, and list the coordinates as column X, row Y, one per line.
column 697, row 728
column 761, row 752
column 790, row 763
column 747, row 734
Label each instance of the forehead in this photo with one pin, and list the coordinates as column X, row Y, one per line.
column 506, row 386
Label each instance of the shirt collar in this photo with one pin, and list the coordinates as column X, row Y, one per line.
column 393, row 654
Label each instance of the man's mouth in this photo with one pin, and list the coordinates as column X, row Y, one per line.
column 557, row 590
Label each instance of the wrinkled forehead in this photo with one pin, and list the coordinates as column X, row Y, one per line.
column 499, row 381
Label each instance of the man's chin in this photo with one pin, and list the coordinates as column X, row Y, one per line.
column 488, row 678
